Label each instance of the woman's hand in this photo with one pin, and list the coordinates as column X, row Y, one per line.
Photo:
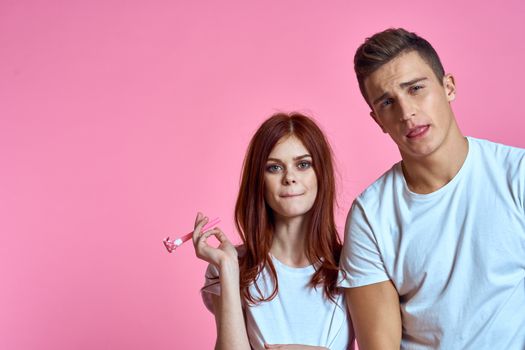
column 293, row 347
column 225, row 253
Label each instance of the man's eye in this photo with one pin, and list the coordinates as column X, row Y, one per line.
column 416, row 88
column 387, row 102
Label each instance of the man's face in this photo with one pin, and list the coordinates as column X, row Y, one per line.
column 411, row 104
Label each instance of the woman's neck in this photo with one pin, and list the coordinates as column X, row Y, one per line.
column 288, row 244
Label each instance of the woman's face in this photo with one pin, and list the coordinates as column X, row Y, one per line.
column 290, row 183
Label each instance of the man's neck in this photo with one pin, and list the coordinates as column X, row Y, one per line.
column 427, row 175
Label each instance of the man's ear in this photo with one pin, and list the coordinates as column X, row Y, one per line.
column 450, row 87
column 373, row 115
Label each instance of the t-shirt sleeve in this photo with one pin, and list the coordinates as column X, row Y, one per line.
column 211, row 286
column 521, row 181
column 361, row 263
column 514, row 164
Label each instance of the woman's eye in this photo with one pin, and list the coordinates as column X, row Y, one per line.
column 273, row 168
column 304, row 165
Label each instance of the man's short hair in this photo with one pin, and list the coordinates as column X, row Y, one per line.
column 384, row 46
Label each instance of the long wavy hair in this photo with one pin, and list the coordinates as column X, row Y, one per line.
column 254, row 219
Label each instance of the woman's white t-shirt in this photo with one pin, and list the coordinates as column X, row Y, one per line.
column 298, row 314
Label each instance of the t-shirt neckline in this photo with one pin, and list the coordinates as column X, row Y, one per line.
column 446, row 187
column 297, row 270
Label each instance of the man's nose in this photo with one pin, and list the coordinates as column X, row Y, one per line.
column 407, row 110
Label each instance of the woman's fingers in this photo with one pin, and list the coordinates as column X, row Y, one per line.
column 215, row 255
column 203, row 249
column 198, row 218
column 221, row 236
column 200, row 221
column 225, row 243
column 203, row 236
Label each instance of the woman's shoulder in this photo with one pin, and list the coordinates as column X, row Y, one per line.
column 241, row 250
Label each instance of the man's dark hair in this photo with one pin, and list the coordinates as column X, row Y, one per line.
column 384, row 46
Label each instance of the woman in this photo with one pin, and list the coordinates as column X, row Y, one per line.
column 278, row 289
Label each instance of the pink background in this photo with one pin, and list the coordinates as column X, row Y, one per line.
column 120, row 119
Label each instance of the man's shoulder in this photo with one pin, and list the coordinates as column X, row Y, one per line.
column 382, row 186
column 495, row 147
column 490, row 151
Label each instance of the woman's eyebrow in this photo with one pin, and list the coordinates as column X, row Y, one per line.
column 295, row 158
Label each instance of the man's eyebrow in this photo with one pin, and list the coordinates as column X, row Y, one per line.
column 402, row 85
column 380, row 98
column 412, row 82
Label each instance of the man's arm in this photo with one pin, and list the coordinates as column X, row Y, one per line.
column 375, row 315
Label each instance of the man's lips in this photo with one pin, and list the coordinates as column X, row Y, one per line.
column 417, row 131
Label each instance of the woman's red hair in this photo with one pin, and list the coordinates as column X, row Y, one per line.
column 254, row 218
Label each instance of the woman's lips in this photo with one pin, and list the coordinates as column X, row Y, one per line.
column 289, row 195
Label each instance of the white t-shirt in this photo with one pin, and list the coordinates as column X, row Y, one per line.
column 297, row 315
column 456, row 256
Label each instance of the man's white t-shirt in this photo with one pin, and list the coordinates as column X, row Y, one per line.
column 456, row 256
column 297, row 315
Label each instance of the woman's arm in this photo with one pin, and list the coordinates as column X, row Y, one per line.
column 229, row 318
column 294, row 347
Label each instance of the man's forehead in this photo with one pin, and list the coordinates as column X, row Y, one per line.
column 400, row 70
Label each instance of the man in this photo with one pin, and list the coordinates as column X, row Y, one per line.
column 434, row 254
